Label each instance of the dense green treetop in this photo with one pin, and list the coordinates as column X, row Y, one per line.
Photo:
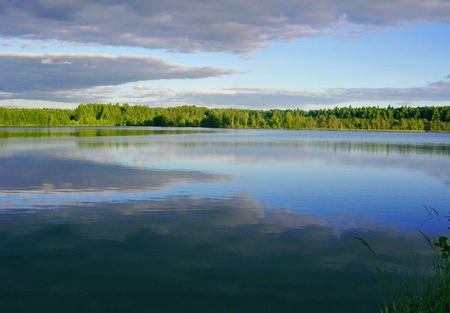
column 365, row 118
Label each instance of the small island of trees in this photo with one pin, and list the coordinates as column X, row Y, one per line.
column 365, row 118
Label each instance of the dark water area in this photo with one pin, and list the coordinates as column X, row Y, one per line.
column 202, row 220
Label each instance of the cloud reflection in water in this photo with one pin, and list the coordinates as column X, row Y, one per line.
column 197, row 253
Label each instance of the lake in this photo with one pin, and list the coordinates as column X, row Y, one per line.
column 146, row 219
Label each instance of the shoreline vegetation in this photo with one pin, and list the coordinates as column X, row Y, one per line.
column 426, row 292
column 436, row 119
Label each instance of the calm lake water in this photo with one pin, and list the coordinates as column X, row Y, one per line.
column 202, row 220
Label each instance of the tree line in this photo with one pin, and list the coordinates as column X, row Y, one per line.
column 365, row 118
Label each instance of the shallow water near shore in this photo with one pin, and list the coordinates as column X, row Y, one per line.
column 150, row 219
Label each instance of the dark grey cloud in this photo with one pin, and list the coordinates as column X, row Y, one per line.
column 193, row 26
column 24, row 73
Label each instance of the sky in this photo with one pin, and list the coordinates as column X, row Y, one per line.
column 266, row 54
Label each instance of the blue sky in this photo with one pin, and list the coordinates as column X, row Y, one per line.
column 242, row 54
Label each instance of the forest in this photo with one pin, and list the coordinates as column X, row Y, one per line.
column 365, row 118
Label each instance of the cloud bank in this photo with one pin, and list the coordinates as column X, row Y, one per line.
column 238, row 27
column 261, row 98
column 25, row 75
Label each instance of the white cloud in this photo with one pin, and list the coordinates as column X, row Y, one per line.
column 4, row 95
column 50, row 61
column 142, row 87
column 34, row 44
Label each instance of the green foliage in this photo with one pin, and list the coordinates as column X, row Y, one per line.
column 443, row 243
column 366, row 118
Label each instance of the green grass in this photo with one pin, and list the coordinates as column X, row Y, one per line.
column 429, row 293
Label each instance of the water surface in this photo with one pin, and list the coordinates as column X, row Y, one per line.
column 202, row 220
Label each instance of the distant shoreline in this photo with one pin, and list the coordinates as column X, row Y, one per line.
column 419, row 119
